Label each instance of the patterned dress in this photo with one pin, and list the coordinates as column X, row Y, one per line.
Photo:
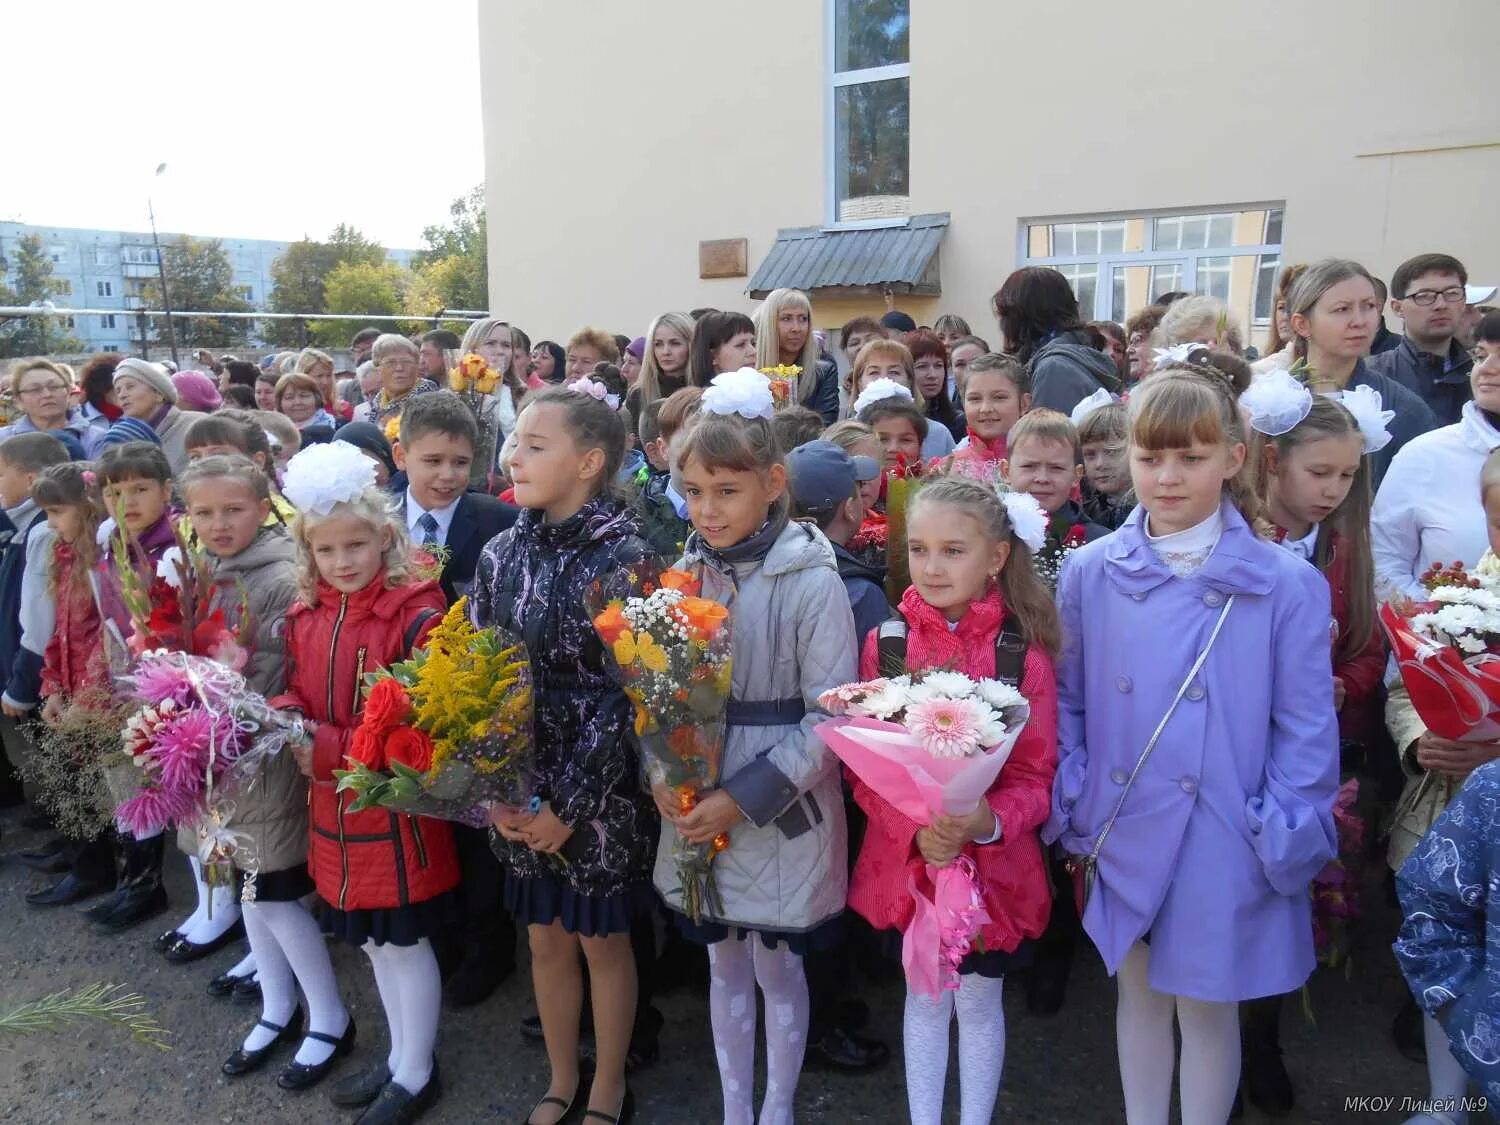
column 1449, row 948
column 532, row 580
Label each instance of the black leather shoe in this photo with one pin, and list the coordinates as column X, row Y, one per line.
column 362, row 1087
column 1266, row 1082
column 182, row 951
column 626, row 1112
column 567, row 1106
column 165, row 940
column 222, row 986
column 302, row 1076
column 395, row 1105
column 853, row 1054
column 247, row 990
column 103, row 909
column 68, row 890
column 245, row 1062
column 138, row 903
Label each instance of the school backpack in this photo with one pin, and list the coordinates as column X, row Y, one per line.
column 1010, row 650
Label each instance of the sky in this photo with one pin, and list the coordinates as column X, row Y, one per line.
column 275, row 120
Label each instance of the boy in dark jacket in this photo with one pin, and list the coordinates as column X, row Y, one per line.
column 1045, row 459
column 26, row 605
column 663, row 513
column 436, row 451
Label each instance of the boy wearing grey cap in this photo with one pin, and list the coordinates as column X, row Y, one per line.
column 824, row 483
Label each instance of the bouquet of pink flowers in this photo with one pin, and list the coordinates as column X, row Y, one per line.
column 930, row 744
column 198, row 732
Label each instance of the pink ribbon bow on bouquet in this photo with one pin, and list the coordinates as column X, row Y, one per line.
column 943, row 927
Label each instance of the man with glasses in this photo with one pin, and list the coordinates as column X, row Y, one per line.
column 1427, row 293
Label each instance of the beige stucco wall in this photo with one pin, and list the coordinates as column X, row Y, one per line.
column 618, row 136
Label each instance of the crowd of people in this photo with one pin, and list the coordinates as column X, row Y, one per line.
column 1194, row 625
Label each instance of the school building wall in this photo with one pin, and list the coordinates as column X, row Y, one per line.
column 619, row 136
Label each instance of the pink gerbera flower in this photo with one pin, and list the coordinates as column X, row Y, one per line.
column 836, row 700
column 948, row 728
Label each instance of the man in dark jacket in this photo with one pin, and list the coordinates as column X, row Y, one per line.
column 1427, row 293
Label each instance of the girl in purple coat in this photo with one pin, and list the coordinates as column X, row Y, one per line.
column 1209, row 646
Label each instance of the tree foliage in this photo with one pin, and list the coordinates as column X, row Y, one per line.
column 200, row 278
column 453, row 270
column 31, row 282
column 364, row 288
column 301, row 278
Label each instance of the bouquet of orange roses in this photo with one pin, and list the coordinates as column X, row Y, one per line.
column 783, row 383
column 671, row 651
column 447, row 733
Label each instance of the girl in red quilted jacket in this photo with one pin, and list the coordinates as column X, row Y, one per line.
column 972, row 581
column 73, row 668
column 387, row 879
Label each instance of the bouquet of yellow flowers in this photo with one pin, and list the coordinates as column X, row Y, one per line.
column 783, row 382
column 670, row 649
column 473, row 373
column 447, row 733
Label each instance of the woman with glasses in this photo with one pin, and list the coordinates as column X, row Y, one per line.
column 397, row 362
column 42, row 391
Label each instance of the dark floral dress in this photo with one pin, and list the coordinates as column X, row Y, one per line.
column 532, row 580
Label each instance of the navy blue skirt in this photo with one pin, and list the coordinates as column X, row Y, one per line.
column 542, row 900
column 824, row 936
column 400, row 925
column 287, row 885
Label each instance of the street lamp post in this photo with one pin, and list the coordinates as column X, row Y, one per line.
column 161, row 268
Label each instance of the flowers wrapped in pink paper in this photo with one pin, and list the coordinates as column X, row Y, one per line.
column 930, row 745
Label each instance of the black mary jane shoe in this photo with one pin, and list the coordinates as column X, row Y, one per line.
column 66, row 891
column 247, row 991
column 182, row 951
column 362, row 1087
column 626, row 1112
column 222, row 986
column 567, row 1106
column 395, row 1105
column 304, row 1076
column 246, row 1062
column 165, row 940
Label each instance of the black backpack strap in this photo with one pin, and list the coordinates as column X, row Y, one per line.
column 1010, row 652
column 414, row 630
column 890, row 645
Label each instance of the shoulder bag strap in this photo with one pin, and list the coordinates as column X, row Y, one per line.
column 1161, row 726
column 414, row 630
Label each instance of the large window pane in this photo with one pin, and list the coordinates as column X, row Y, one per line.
column 1166, row 279
column 870, row 33
column 1213, row 277
column 872, row 149
column 1265, row 286
column 1085, row 283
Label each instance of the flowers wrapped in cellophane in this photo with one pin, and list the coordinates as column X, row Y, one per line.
column 195, row 738
column 448, row 732
column 930, row 744
column 671, row 650
column 783, row 378
column 1446, row 650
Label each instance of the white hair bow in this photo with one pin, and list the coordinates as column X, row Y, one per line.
column 1366, row 406
column 1276, row 403
column 322, row 476
column 879, row 391
column 745, row 392
column 1177, row 353
column 1027, row 519
column 595, row 390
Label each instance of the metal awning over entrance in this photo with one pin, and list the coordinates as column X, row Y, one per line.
column 901, row 258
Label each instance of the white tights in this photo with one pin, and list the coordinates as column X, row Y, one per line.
column 411, row 990
column 1210, row 1071
column 735, row 968
column 198, row 927
column 981, row 1050
column 289, row 951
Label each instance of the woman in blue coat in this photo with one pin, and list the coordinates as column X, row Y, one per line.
column 1210, row 840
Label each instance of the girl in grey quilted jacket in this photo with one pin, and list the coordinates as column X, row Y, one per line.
column 783, row 877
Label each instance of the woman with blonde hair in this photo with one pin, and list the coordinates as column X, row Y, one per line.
column 318, row 366
column 495, row 341
column 784, row 335
column 666, row 365
column 42, row 390
column 1200, row 320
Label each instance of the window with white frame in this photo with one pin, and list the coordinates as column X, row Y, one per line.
column 107, row 321
column 869, row 103
column 1117, row 264
column 104, row 289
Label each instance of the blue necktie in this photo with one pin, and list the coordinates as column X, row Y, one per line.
column 429, row 525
